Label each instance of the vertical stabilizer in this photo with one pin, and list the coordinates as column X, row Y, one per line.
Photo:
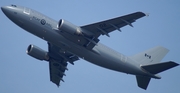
column 149, row 61
column 153, row 55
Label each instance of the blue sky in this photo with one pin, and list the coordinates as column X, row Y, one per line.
column 20, row 73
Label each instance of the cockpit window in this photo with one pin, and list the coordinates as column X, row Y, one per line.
column 14, row 5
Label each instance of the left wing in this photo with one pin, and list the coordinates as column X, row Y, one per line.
column 57, row 70
column 105, row 27
column 58, row 63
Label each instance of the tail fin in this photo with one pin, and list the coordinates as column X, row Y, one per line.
column 150, row 62
column 153, row 55
column 143, row 81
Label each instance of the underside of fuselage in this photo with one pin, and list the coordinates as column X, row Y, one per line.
column 68, row 42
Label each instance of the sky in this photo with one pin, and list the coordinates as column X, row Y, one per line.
column 20, row 73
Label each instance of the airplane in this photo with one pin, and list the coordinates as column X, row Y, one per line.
column 68, row 43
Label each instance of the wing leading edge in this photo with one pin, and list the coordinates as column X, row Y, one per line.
column 107, row 26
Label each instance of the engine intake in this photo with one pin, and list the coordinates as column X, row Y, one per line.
column 68, row 27
column 37, row 52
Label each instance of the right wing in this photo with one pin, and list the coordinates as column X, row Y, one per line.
column 87, row 35
column 107, row 26
column 58, row 63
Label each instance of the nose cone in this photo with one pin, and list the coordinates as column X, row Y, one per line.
column 10, row 11
column 4, row 8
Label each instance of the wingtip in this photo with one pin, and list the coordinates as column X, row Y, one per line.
column 175, row 64
column 146, row 14
column 145, row 88
column 58, row 85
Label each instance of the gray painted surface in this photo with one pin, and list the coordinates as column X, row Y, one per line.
column 46, row 28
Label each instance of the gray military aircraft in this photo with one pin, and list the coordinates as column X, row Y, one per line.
column 68, row 42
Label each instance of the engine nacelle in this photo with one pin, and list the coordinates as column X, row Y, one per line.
column 68, row 27
column 37, row 52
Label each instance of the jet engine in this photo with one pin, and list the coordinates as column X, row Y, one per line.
column 37, row 52
column 68, row 27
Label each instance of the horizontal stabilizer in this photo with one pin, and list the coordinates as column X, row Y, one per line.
column 159, row 67
column 143, row 81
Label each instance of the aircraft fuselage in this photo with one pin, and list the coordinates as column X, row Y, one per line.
column 45, row 28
